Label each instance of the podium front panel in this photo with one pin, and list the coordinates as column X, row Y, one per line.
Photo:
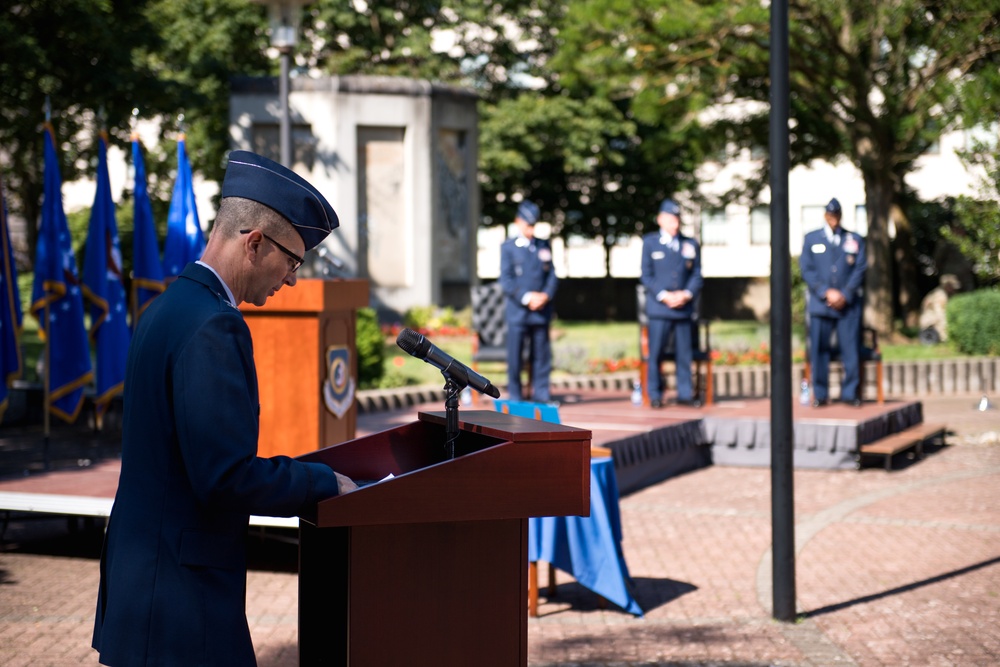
column 430, row 568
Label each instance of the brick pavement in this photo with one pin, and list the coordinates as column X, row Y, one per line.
column 899, row 568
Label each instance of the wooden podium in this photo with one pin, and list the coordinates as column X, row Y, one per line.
column 292, row 333
column 430, row 568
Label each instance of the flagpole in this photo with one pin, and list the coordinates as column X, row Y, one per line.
column 46, row 389
column 46, row 380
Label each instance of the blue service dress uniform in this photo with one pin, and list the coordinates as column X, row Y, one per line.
column 670, row 264
column 837, row 263
column 526, row 266
column 173, row 569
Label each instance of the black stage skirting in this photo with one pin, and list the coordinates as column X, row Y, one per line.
column 819, row 442
column 738, row 433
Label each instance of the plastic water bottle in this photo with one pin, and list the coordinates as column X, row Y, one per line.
column 466, row 397
column 636, row 393
column 804, row 393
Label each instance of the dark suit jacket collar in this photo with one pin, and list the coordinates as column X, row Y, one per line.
column 205, row 276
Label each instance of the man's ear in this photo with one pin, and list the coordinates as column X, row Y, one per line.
column 251, row 245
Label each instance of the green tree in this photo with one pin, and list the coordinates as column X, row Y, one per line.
column 78, row 55
column 96, row 60
column 876, row 83
column 977, row 232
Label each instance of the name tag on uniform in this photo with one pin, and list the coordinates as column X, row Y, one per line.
column 658, row 254
column 818, row 247
column 545, row 255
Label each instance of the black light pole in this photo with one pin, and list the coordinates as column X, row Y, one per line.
column 782, row 488
column 285, row 128
column 284, row 17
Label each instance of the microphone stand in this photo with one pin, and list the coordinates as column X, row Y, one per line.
column 452, row 391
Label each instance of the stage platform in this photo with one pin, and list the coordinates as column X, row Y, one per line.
column 827, row 437
column 647, row 446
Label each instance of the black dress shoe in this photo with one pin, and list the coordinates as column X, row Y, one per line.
column 854, row 402
column 690, row 402
column 818, row 403
column 655, row 403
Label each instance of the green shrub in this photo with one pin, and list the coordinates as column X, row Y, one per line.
column 371, row 349
column 418, row 317
column 799, row 287
column 974, row 322
column 432, row 318
column 572, row 359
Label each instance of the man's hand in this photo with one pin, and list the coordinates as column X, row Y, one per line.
column 676, row 299
column 344, row 483
column 537, row 300
column 835, row 299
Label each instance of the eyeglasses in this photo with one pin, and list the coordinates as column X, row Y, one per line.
column 298, row 260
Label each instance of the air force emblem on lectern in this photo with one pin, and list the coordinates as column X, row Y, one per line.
column 338, row 389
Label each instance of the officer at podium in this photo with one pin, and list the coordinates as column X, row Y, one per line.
column 529, row 284
column 671, row 274
column 173, row 567
column 833, row 265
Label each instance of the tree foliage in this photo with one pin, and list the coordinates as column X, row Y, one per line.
column 596, row 108
column 977, row 228
column 874, row 83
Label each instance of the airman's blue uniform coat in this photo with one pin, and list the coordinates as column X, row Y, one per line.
column 173, row 571
column 838, row 265
column 669, row 266
column 526, row 266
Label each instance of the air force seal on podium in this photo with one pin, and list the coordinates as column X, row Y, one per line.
column 338, row 389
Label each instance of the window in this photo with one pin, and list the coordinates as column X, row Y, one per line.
column 760, row 225
column 713, row 227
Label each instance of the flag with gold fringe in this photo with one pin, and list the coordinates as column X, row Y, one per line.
column 104, row 290
column 57, row 300
column 185, row 241
column 147, row 272
column 10, row 311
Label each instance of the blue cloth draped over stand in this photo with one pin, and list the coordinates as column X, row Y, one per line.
column 587, row 547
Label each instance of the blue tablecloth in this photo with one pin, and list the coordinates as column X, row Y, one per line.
column 589, row 548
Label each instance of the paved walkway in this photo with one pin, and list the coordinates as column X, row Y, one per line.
column 899, row 568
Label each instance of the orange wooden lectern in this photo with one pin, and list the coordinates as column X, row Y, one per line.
column 293, row 334
column 430, row 568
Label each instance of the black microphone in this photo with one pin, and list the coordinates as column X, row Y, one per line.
column 416, row 345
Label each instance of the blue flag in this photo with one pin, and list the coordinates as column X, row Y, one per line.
column 185, row 242
column 10, row 311
column 57, row 300
column 104, row 290
column 147, row 272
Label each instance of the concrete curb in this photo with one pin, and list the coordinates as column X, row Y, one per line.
column 375, row 400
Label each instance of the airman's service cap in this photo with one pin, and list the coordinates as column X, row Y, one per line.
column 255, row 177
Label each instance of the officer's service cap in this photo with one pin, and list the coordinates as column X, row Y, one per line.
column 528, row 211
column 833, row 206
column 255, row 177
column 670, row 207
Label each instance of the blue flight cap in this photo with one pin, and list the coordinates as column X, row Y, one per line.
column 255, row 177
column 833, row 206
column 528, row 211
column 670, row 206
